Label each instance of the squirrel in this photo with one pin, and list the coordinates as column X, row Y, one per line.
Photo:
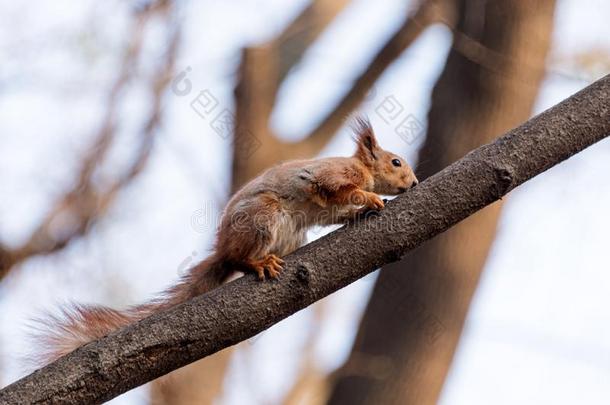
column 265, row 220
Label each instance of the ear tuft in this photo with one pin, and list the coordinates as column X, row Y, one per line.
column 365, row 140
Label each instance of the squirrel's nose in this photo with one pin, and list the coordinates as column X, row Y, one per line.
column 415, row 183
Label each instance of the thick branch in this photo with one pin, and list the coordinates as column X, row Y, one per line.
column 241, row 309
column 294, row 41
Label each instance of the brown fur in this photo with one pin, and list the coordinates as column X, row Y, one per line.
column 265, row 220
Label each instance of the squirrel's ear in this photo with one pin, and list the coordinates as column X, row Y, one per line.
column 365, row 140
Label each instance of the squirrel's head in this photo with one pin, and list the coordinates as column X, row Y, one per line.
column 391, row 173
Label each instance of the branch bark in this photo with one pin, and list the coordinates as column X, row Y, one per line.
column 166, row 341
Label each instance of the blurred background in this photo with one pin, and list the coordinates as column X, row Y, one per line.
column 126, row 125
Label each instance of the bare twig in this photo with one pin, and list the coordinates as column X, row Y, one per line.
column 241, row 309
column 84, row 204
column 161, row 79
column 429, row 12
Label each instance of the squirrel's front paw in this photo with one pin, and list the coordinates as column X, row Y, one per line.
column 374, row 202
column 370, row 201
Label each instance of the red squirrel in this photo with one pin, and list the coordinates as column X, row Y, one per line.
column 266, row 219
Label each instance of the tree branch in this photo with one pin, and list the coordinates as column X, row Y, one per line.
column 262, row 70
column 428, row 13
column 166, row 341
column 303, row 31
column 264, row 67
column 85, row 203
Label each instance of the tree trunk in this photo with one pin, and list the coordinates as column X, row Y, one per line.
column 411, row 327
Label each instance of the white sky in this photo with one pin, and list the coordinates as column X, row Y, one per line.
column 539, row 329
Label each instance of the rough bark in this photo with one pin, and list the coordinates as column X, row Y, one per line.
column 241, row 309
column 416, row 313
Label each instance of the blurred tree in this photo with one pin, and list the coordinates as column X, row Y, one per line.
column 411, row 327
column 86, row 202
column 89, row 198
column 262, row 71
column 202, row 326
column 494, row 69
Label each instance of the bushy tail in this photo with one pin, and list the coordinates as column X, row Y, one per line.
column 77, row 325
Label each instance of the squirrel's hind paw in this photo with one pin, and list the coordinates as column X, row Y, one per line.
column 271, row 263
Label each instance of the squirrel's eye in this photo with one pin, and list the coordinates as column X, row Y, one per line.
column 396, row 162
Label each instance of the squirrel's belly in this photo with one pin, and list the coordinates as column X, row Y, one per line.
column 289, row 236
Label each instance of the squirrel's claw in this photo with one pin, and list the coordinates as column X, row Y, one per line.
column 274, row 266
